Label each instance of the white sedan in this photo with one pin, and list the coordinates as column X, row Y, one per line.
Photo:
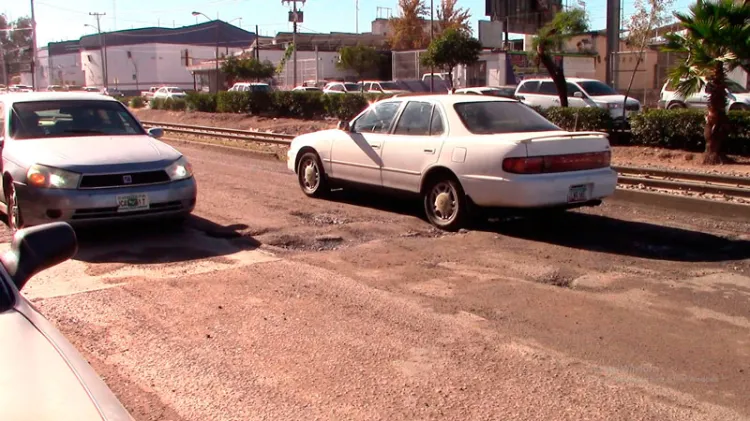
column 458, row 152
column 170, row 92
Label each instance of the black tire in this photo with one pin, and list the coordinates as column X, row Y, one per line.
column 14, row 214
column 311, row 176
column 675, row 106
column 445, row 204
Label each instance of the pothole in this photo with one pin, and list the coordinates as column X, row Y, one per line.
column 320, row 219
column 300, row 243
column 558, row 278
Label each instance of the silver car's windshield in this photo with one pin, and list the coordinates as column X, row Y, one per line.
column 46, row 119
column 492, row 117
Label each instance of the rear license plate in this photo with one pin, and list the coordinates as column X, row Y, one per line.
column 132, row 202
column 578, row 194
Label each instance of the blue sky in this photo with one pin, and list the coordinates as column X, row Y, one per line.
column 58, row 20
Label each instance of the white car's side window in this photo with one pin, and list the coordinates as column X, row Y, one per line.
column 415, row 120
column 377, row 119
column 436, row 123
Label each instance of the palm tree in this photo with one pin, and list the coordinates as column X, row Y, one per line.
column 551, row 38
column 713, row 35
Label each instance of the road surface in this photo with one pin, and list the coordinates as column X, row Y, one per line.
column 273, row 306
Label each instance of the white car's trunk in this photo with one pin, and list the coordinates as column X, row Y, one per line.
column 558, row 143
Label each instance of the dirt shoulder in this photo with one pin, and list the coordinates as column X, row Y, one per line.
column 638, row 156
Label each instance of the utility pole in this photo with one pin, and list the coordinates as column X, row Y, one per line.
column 216, row 25
column 33, row 47
column 3, row 69
column 257, row 44
column 102, row 48
column 295, row 18
column 432, row 36
column 356, row 16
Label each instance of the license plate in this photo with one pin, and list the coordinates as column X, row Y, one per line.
column 132, row 202
column 578, row 194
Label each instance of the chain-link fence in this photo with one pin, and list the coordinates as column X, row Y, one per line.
column 407, row 65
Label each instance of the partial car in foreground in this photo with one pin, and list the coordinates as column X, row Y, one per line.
column 43, row 377
column 85, row 158
column 458, row 152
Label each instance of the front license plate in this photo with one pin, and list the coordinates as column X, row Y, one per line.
column 132, row 202
column 578, row 194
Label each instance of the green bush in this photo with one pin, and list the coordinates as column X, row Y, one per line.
column 260, row 103
column 201, row 101
column 297, row 104
column 178, row 104
column 137, row 102
column 684, row 129
column 233, row 102
column 157, row 104
column 579, row 118
column 344, row 107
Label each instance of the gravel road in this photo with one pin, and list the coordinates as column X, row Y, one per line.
column 272, row 306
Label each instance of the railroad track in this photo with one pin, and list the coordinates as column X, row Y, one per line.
column 701, row 185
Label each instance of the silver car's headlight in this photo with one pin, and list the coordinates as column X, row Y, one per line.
column 180, row 169
column 52, row 178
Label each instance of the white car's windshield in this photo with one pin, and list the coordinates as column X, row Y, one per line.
column 596, row 88
column 42, row 119
column 735, row 87
column 493, row 117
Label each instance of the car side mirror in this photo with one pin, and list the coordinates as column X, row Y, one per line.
column 578, row 94
column 344, row 125
column 38, row 248
column 156, row 132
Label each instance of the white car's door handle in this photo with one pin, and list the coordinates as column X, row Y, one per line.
column 429, row 150
column 375, row 146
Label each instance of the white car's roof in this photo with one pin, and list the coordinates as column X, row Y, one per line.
column 567, row 79
column 53, row 96
column 448, row 99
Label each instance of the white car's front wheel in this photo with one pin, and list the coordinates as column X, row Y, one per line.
column 445, row 203
column 311, row 176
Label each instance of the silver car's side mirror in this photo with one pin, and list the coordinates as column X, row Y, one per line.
column 344, row 125
column 578, row 94
column 38, row 248
column 156, row 132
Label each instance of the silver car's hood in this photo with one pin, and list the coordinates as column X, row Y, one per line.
column 87, row 153
column 36, row 382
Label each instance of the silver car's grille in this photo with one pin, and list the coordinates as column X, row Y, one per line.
column 99, row 213
column 99, row 181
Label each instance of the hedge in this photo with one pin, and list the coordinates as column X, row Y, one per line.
column 168, row 104
column 580, row 119
column 684, row 129
column 137, row 102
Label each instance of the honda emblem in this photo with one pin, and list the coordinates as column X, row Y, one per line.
column 127, row 179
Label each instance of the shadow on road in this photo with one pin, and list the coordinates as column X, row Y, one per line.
column 584, row 232
column 159, row 242
column 616, row 236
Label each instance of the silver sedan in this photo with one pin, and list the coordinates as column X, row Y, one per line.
column 85, row 158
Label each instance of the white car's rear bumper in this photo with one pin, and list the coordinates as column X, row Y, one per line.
column 539, row 190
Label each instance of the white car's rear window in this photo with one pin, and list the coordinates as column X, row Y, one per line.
column 494, row 117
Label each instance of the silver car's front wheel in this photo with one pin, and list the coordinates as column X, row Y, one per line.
column 310, row 175
column 15, row 220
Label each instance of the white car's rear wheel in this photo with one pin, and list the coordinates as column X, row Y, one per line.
column 445, row 203
column 311, row 177
column 15, row 219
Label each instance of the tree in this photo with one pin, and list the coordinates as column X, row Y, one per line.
column 551, row 38
column 649, row 14
column 239, row 68
column 16, row 44
column 360, row 59
column 408, row 28
column 451, row 48
column 449, row 16
column 710, row 42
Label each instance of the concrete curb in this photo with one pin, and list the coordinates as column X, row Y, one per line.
column 684, row 203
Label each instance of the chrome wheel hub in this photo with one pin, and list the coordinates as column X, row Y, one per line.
column 443, row 199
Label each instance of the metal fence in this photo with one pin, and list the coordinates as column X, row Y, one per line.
column 407, row 65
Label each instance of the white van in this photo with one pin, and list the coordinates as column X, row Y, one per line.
column 581, row 93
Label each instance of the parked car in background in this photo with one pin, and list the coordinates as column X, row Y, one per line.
column 44, row 377
column 3, row 89
column 74, row 88
column 458, row 152
column 380, row 87
column 501, row 91
column 307, row 89
column 113, row 92
column 738, row 98
column 84, row 158
column 92, row 89
column 150, row 93
column 581, row 93
column 250, row 87
column 170, row 92
column 336, row 88
column 20, row 88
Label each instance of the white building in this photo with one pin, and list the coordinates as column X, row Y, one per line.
column 63, row 65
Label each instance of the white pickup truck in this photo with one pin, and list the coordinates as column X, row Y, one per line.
column 150, row 93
